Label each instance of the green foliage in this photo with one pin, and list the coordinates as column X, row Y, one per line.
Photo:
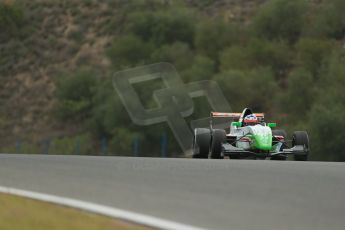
column 327, row 126
column 203, row 3
column 250, row 68
column 179, row 54
column 213, row 35
column 276, row 55
column 312, row 53
column 74, row 93
column 254, row 89
column 29, row 148
column 235, row 58
column 145, row 92
column 23, row 148
column 3, row 120
column 258, row 53
column 280, row 19
column 129, row 51
column 107, row 111
column 299, row 97
column 201, row 69
column 122, row 141
column 281, row 62
column 80, row 144
column 163, row 27
column 329, row 20
column 11, row 18
column 327, row 122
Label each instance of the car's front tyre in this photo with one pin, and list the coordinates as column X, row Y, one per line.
column 201, row 143
column 218, row 138
column 301, row 138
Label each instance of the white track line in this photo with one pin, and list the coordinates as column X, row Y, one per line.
column 101, row 209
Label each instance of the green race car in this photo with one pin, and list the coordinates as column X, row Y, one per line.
column 249, row 137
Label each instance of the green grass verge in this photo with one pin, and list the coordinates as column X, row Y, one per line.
column 22, row 213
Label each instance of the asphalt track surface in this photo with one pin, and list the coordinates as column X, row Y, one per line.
column 210, row 194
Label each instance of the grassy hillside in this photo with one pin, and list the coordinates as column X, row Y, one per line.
column 49, row 37
column 57, row 57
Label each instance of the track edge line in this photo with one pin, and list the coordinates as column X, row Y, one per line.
column 130, row 216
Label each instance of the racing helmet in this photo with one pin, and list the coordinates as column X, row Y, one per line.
column 250, row 119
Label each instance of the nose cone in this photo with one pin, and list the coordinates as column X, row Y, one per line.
column 263, row 142
column 263, row 137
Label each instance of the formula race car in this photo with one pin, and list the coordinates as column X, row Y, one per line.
column 249, row 137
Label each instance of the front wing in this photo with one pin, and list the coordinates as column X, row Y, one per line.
column 230, row 151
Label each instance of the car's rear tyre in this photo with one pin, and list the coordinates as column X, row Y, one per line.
column 301, row 138
column 280, row 132
column 218, row 138
column 201, row 143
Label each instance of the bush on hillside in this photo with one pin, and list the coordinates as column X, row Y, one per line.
column 327, row 115
column 75, row 93
column 179, row 54
column 300, row 94
column 329, row 20
column 280, row 19
column 129, row 51
column 255, row 89
column 258, row 53
column 313, row 53
column 163, row 27
column 212, row 36
column 11, row 18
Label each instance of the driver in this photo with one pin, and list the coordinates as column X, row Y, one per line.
column 250, row 119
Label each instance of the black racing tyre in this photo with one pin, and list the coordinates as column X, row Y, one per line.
column 201, row 143
column 218, row 137
column 300, row 138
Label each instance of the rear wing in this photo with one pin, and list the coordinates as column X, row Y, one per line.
column 234, row 115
